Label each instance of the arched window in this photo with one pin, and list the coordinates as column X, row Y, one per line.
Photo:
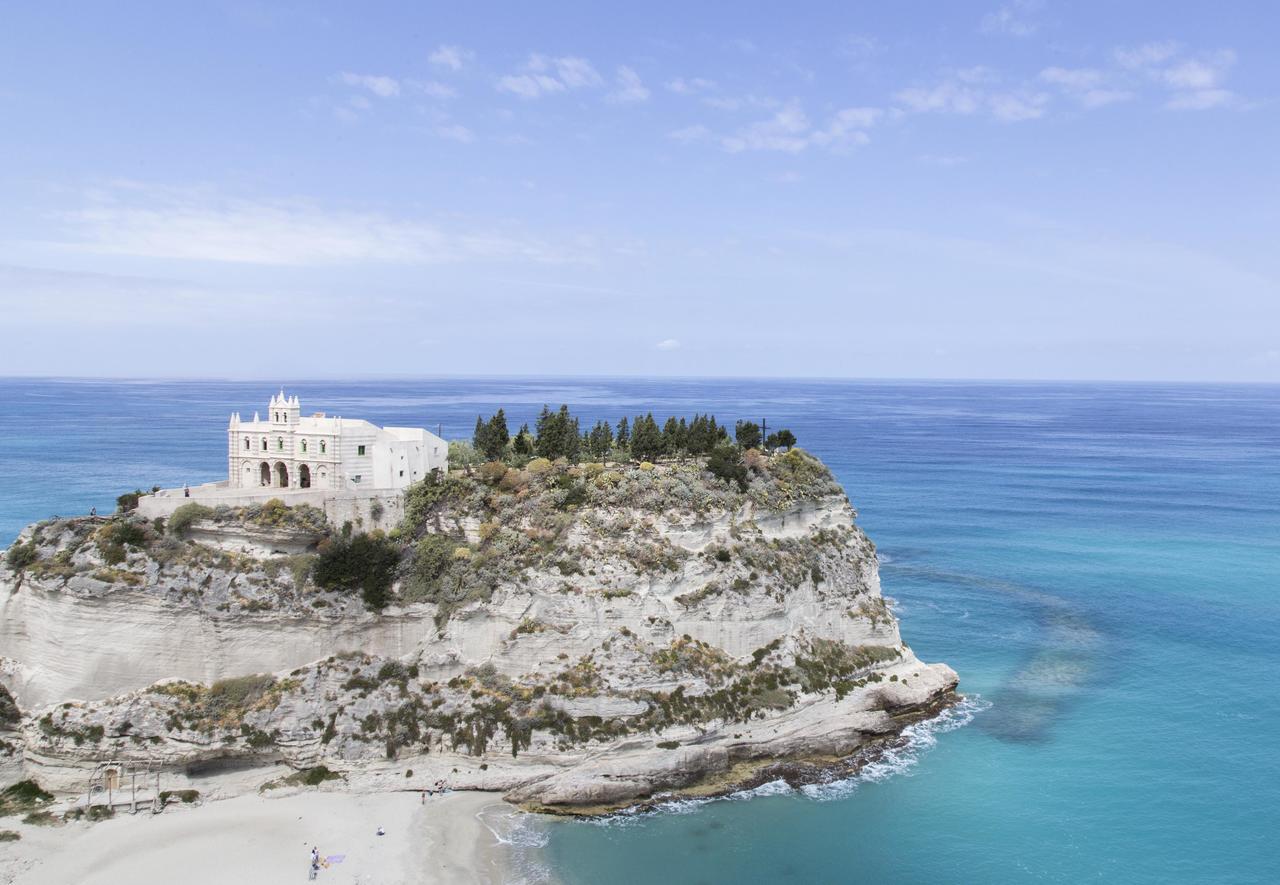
column 246, row 443
column 280, row 444
column 322, row 447
column 304, row 445
column 264, row 444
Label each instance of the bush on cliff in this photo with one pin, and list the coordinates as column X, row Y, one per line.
column 726, row 463
column 184, row 516
column 364, row 562
column 22, row 555
column 10, row 715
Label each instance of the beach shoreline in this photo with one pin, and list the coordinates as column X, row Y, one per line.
column 268, row 839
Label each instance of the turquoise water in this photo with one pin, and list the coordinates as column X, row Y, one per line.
column 1101, row 564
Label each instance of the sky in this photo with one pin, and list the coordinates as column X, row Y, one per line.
column 1027, row 189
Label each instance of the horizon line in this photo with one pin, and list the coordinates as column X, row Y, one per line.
column 247, row 379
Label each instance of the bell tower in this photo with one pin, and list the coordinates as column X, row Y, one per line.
column 284, row 410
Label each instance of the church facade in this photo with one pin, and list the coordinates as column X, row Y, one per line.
column 285, row 450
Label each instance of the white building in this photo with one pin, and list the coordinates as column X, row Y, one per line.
column 288, row 451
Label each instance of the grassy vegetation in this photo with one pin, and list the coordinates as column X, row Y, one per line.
column 10, row 715
column 184, row 516
column 23, row 797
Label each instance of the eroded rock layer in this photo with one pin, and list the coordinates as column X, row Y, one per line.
column 580, row 636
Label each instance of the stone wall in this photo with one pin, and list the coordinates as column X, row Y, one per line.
column 371, row 509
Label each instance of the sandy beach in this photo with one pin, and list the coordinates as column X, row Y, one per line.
column 257, row 839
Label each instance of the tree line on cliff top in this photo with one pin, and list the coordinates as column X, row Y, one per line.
column 559, row 434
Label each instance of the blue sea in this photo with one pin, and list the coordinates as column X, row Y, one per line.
column 1099, row 562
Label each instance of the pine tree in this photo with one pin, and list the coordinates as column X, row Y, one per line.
column 671, row 441
column 480, row 439
column 600, row 440
column 646, row 439
column 783, row 439
column 748, row 434
column 624, row 434
column 522, row 445
column 549, row 443
column 498, row 436
column 572, row 435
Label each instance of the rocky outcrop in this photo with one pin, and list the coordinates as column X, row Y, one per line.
column 579, row 636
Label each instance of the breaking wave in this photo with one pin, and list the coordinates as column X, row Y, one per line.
column 900, row 758
column 916, row 740
column 523, row 838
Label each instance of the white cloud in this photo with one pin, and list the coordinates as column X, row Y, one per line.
column 1201, row 100
column 383, row 87
column 1194, row 74
column 452, row 57
column 689, row 134
column 630, row 87
column 1015, row 19
column 1088, row 86
column 1014, row 107
column 543, row 76
column 947, row 97
column 1195, row 82
column 789, row 130
column 668, row 344
column 682, row 86
column 972, row 91
column 529, row 85
column 455, row 132
column 199, row 225
column 858, row 47
column 432, row 88
column 1147, row 54
column 1072, row 78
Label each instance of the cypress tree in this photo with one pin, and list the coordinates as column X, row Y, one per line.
column 522, row 445
column 480, row 439
column 646, row 439
column 624, row 434
column 548, row 444
column 498, row 435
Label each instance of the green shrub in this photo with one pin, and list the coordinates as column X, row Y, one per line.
column 128, row 501
column 314, row 777
column 22, row 555
column 9, row 836
column 726, row 463
column 432, row 557
column 185, row 796
column 10, row 715
column 41, row 819
column 239, row 691
column 185, row 515
column 668, row 745
column 366, row 562
column 23, row 796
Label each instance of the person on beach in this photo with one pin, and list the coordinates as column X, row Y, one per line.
column 186, row 490
column 93, row 512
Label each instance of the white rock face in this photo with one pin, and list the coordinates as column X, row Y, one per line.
column 725, row 635
column 87, row 642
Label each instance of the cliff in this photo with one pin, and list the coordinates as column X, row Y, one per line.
column 579, row 636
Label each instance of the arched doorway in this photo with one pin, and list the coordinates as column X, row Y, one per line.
column 264, row 473
column 282, row 475
column 304, row 477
